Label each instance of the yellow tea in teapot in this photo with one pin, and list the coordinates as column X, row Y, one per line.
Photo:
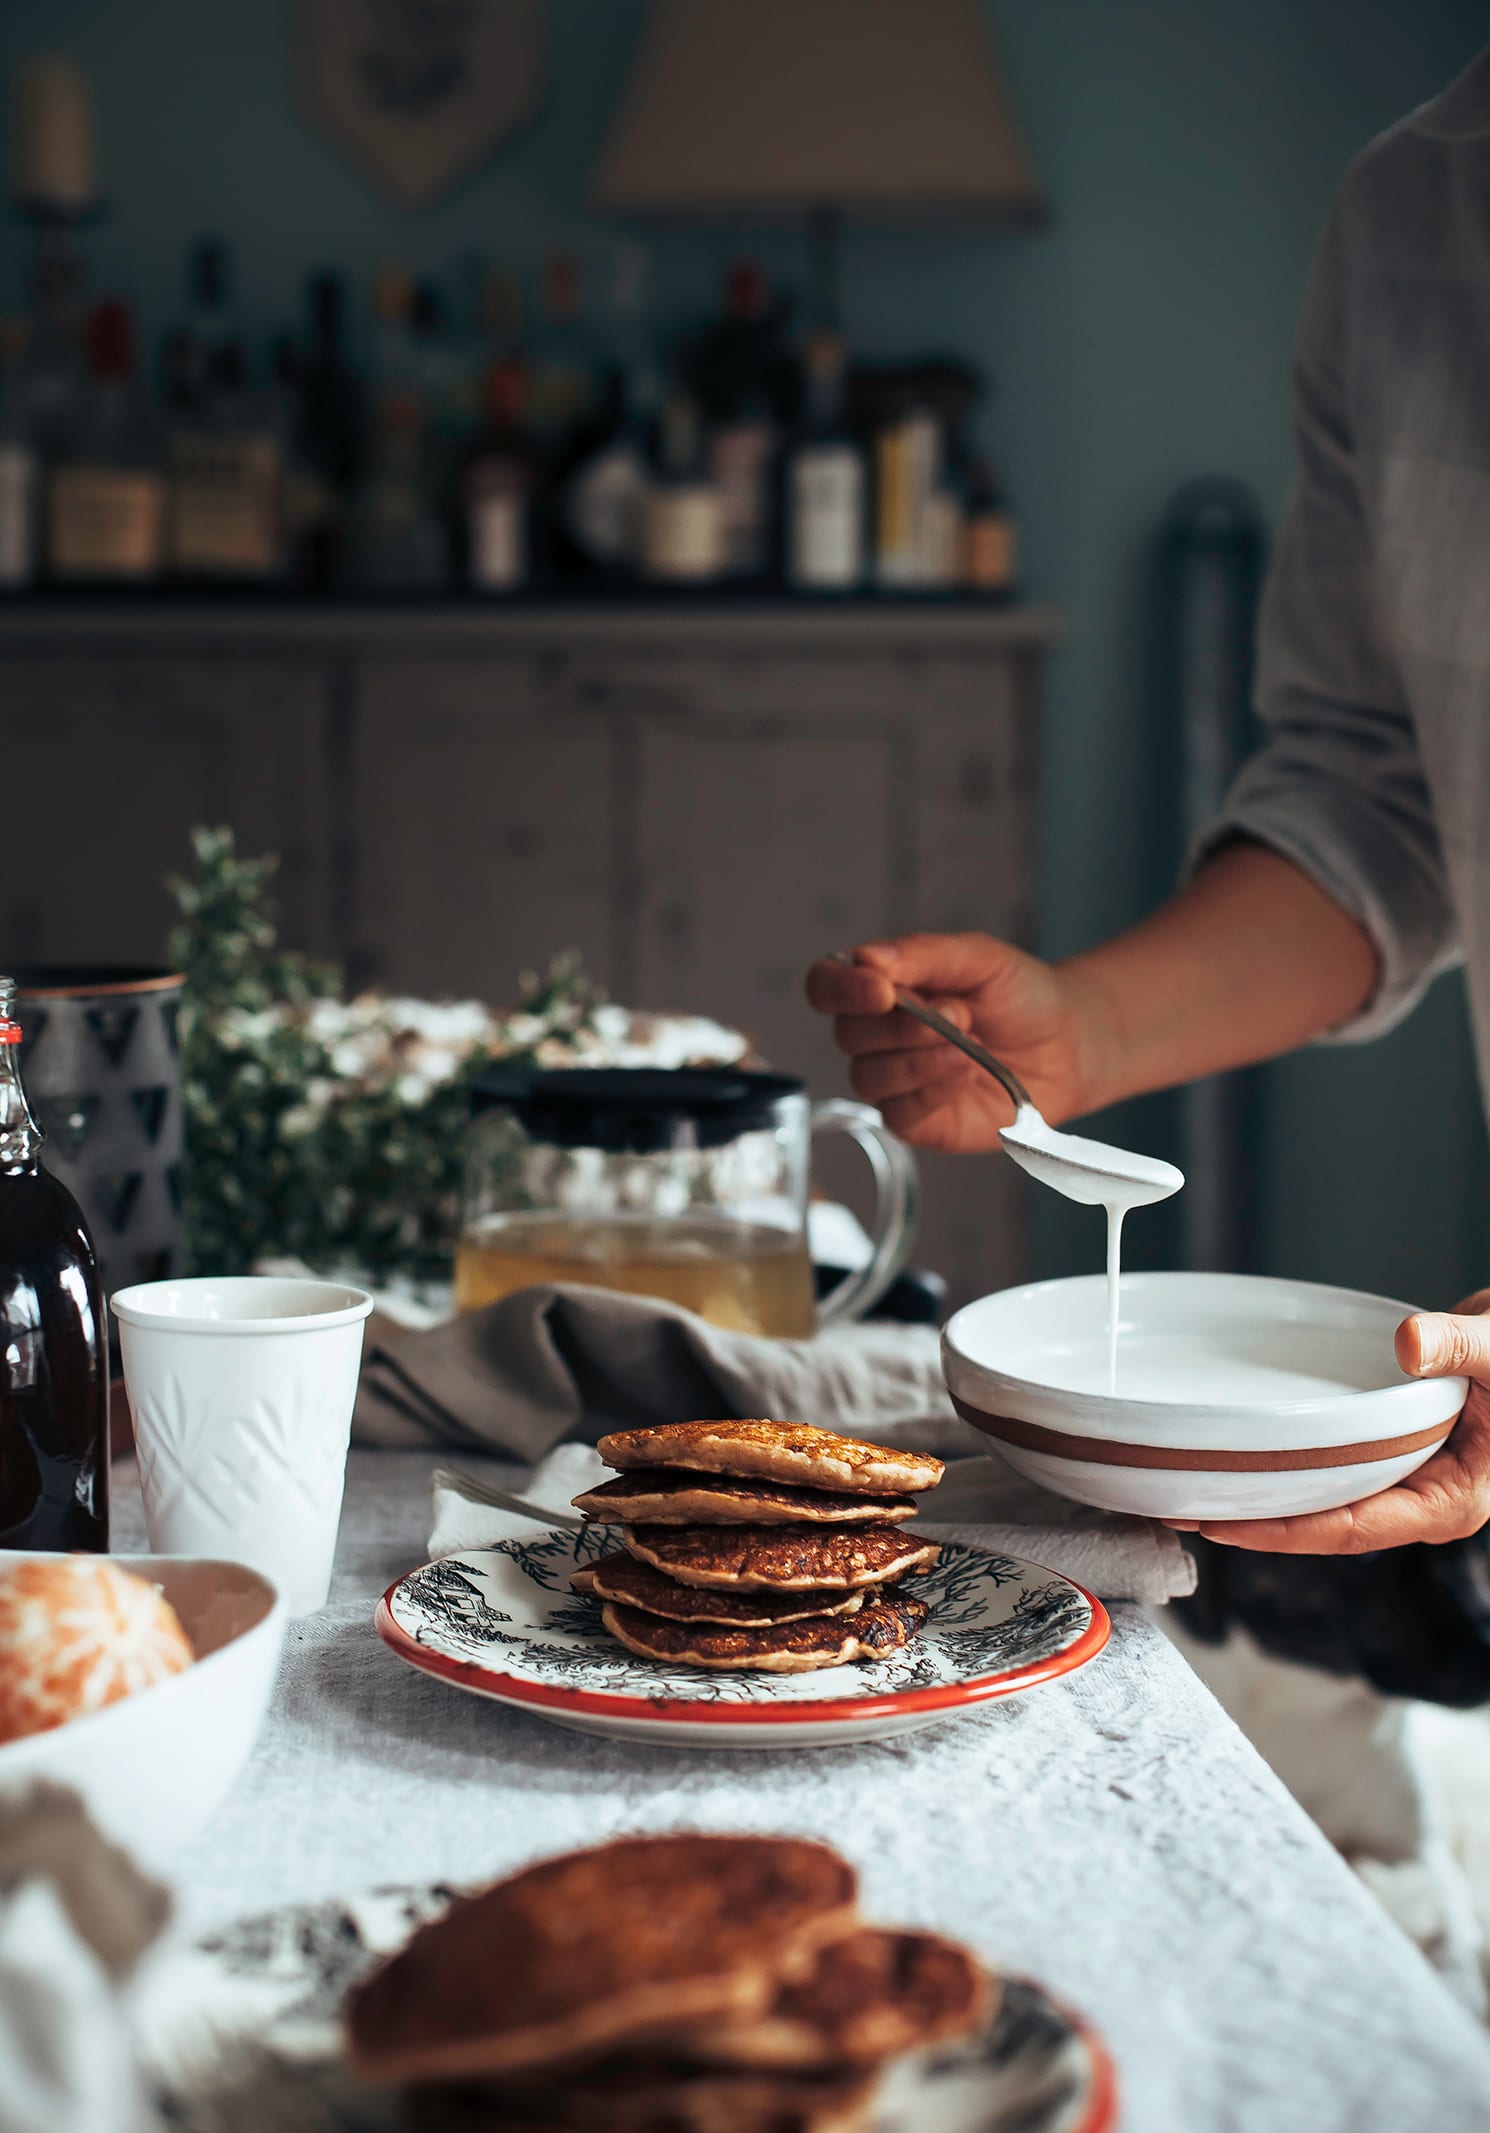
column 743, row 1275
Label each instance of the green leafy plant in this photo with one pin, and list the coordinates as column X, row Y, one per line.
column 319, row 1128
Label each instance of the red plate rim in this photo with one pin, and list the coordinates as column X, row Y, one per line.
column 596, row 1703
column 1101, row 2114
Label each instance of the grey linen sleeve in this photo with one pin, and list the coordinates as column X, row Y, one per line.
column 1337, row 786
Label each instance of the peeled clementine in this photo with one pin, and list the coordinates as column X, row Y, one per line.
column 76, row 1633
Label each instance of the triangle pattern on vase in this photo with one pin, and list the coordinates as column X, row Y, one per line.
column 113, row 1027
column 150, row 1109
column 66, row 1120
column 116, row 1197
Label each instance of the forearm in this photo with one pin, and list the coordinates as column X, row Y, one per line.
column 1249, row 960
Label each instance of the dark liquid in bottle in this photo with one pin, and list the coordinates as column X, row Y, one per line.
column 54, row 1393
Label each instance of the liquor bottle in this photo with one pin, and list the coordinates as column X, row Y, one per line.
column 397, row 538
column 563, row 366
column 393, row 366
column 908, row 475
column 106, row 494
column 225, row 480
column 434, row 381
column 331, row 415
column 302, row 496
column 498, row 482
column 54, row 1379
column 52, row 375
column 601, row 494
column 683, row 517
column 20, row 468
column 991, row 539
column 208, row 324
column 825, row 492
column 735, row 370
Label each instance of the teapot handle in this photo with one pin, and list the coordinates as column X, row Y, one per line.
column 897, row 1207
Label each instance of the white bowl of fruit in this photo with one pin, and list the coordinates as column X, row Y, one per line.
column 137, row 1681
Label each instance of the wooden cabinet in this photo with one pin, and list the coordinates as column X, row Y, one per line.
column 699, row 799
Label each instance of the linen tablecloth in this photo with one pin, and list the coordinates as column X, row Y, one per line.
column 1111, row 1834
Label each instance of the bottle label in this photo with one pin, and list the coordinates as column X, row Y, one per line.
column 742, row 456
column 908, row 456
column 826, row 510
column 105, row 522
column 498, row 526
column 225, row 499
column 18, row 499
column 683, row 535
column 603, row 508
column 991, row 551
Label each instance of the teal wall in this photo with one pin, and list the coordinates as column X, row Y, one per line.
column 1190, row 149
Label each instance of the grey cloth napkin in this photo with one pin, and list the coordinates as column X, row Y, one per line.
column 560, row 1361
column 980, row 1501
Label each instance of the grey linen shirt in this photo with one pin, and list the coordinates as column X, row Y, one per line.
column 1374, row 648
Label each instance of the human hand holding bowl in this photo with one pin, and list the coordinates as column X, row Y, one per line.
column 1445, row 1499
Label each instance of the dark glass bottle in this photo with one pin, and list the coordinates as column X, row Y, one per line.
column 54, row 1377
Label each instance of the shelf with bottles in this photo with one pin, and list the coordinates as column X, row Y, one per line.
column 473, row 457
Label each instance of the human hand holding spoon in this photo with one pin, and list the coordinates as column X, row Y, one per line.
column 1092, row 1172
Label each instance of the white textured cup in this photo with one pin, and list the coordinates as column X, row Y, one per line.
column 241, row 1391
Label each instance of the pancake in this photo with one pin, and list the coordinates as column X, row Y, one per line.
column 869, row 1995
column 780, row 1558
column 795, row 1452
column 652, row 2095
column 665, row 1496
column 883, row 1624
column 595, row 1947
column 637, row 1585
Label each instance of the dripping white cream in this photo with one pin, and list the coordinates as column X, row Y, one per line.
column 1098, row 1176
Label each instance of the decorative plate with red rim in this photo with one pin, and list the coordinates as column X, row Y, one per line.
column 504, row 1623
column 242, row 2033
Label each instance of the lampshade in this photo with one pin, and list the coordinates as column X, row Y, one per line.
column 769, row 107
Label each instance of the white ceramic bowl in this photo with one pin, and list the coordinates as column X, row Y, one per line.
column 1238, row 1396
column 153, row 1767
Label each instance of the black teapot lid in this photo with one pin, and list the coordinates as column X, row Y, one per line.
column 634, row 1110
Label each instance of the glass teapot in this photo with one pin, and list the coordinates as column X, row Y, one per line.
column 688, row 1183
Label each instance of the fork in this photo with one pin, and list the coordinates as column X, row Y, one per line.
column 467, row 1485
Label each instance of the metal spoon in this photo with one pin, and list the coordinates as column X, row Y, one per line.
column 914, row 1005
column 1082, row 1169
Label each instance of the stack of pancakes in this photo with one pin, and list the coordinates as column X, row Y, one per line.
column 674, row 1984
column 767, row 1545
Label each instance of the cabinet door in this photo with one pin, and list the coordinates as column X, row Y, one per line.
column 109, row 764
column 483, row 828
column 762, row 845
column 977, row 800
column 788, row 807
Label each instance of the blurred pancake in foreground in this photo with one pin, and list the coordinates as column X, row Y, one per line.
column 870, row 1995
column 570, row 1957
column 780, row 1558
column 683, row 1984
column 652, row 2095
column 658, row 1496
column 635, row 1584
column 881, row 1626
column 794, row 1452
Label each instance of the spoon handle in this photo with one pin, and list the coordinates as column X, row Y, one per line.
column 1013, row 1087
